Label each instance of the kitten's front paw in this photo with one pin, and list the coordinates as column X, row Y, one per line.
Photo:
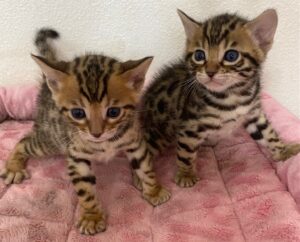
column 288, row 151
column 157, row 197
column 16, row 176
column 91, row 223
column 186, row 179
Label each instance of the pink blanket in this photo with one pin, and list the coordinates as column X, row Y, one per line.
column 238, row 198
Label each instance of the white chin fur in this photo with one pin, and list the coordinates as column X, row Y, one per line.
column 215, row 86
column 218, row 83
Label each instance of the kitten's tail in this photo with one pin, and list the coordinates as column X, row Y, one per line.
column 41, row 41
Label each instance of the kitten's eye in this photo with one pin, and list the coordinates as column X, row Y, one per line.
column 78, row 113
column 199, row 55
column 113, row 112
column 231, row 55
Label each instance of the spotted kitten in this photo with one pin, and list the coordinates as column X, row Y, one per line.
column 215, row 88
column 86, row 110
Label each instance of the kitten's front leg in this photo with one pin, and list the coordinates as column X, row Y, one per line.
column 262, row 132
column 187, row 147
column 144, row 175
column 29, row 146
column 92, row 218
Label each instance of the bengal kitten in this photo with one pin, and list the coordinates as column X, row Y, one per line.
column 86, row 111
column 214, row 89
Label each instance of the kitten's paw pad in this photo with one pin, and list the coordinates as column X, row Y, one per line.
column 11, row 177
column 288, row 151
column 185, row 180
column 91, row 224
column 161, row 195
column 137, row 182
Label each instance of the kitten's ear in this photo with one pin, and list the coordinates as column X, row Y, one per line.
column 134, row 71
column 54, row 77
column 191, row 27
column 262, row 29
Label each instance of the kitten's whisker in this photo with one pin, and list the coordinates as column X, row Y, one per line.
column 188, row 87
column 187, row 81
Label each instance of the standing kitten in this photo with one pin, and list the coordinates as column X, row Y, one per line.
column 86, row 110
column 215, row 87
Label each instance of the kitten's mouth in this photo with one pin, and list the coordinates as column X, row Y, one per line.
column 104, row 137
column 213, row 84
column 210, row 82
column 96, row 140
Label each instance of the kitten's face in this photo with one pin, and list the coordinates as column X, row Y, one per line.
column 227, row 50
column 98, row 94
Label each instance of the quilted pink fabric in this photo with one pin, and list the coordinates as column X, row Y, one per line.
column 238, row 198
column 18, row 102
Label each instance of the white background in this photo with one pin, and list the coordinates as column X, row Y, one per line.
column 134, row 29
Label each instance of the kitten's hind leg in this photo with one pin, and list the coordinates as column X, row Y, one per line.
column 187, row 147
column 15, row 167
column 262, row 132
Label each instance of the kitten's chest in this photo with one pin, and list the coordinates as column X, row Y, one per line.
column 236, row 115
column 228, row 121
column 233, row 107
column 105, row 151
column 102, row 152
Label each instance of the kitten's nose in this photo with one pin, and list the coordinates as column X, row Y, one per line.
column 96, row 135
column 211, row 73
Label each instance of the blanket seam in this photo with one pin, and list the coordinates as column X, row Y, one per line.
column 4, row 192
column 276, row 173
column 231, row 202
column 72, row 220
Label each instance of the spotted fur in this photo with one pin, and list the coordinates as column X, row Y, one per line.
column 193, row 101
column 92, row 83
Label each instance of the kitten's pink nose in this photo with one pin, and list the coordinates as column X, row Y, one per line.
column 211, row 73
column 96, row 135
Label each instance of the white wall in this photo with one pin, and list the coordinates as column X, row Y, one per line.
column 133, row 29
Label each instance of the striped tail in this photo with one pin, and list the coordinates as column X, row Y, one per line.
column 42, row 43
